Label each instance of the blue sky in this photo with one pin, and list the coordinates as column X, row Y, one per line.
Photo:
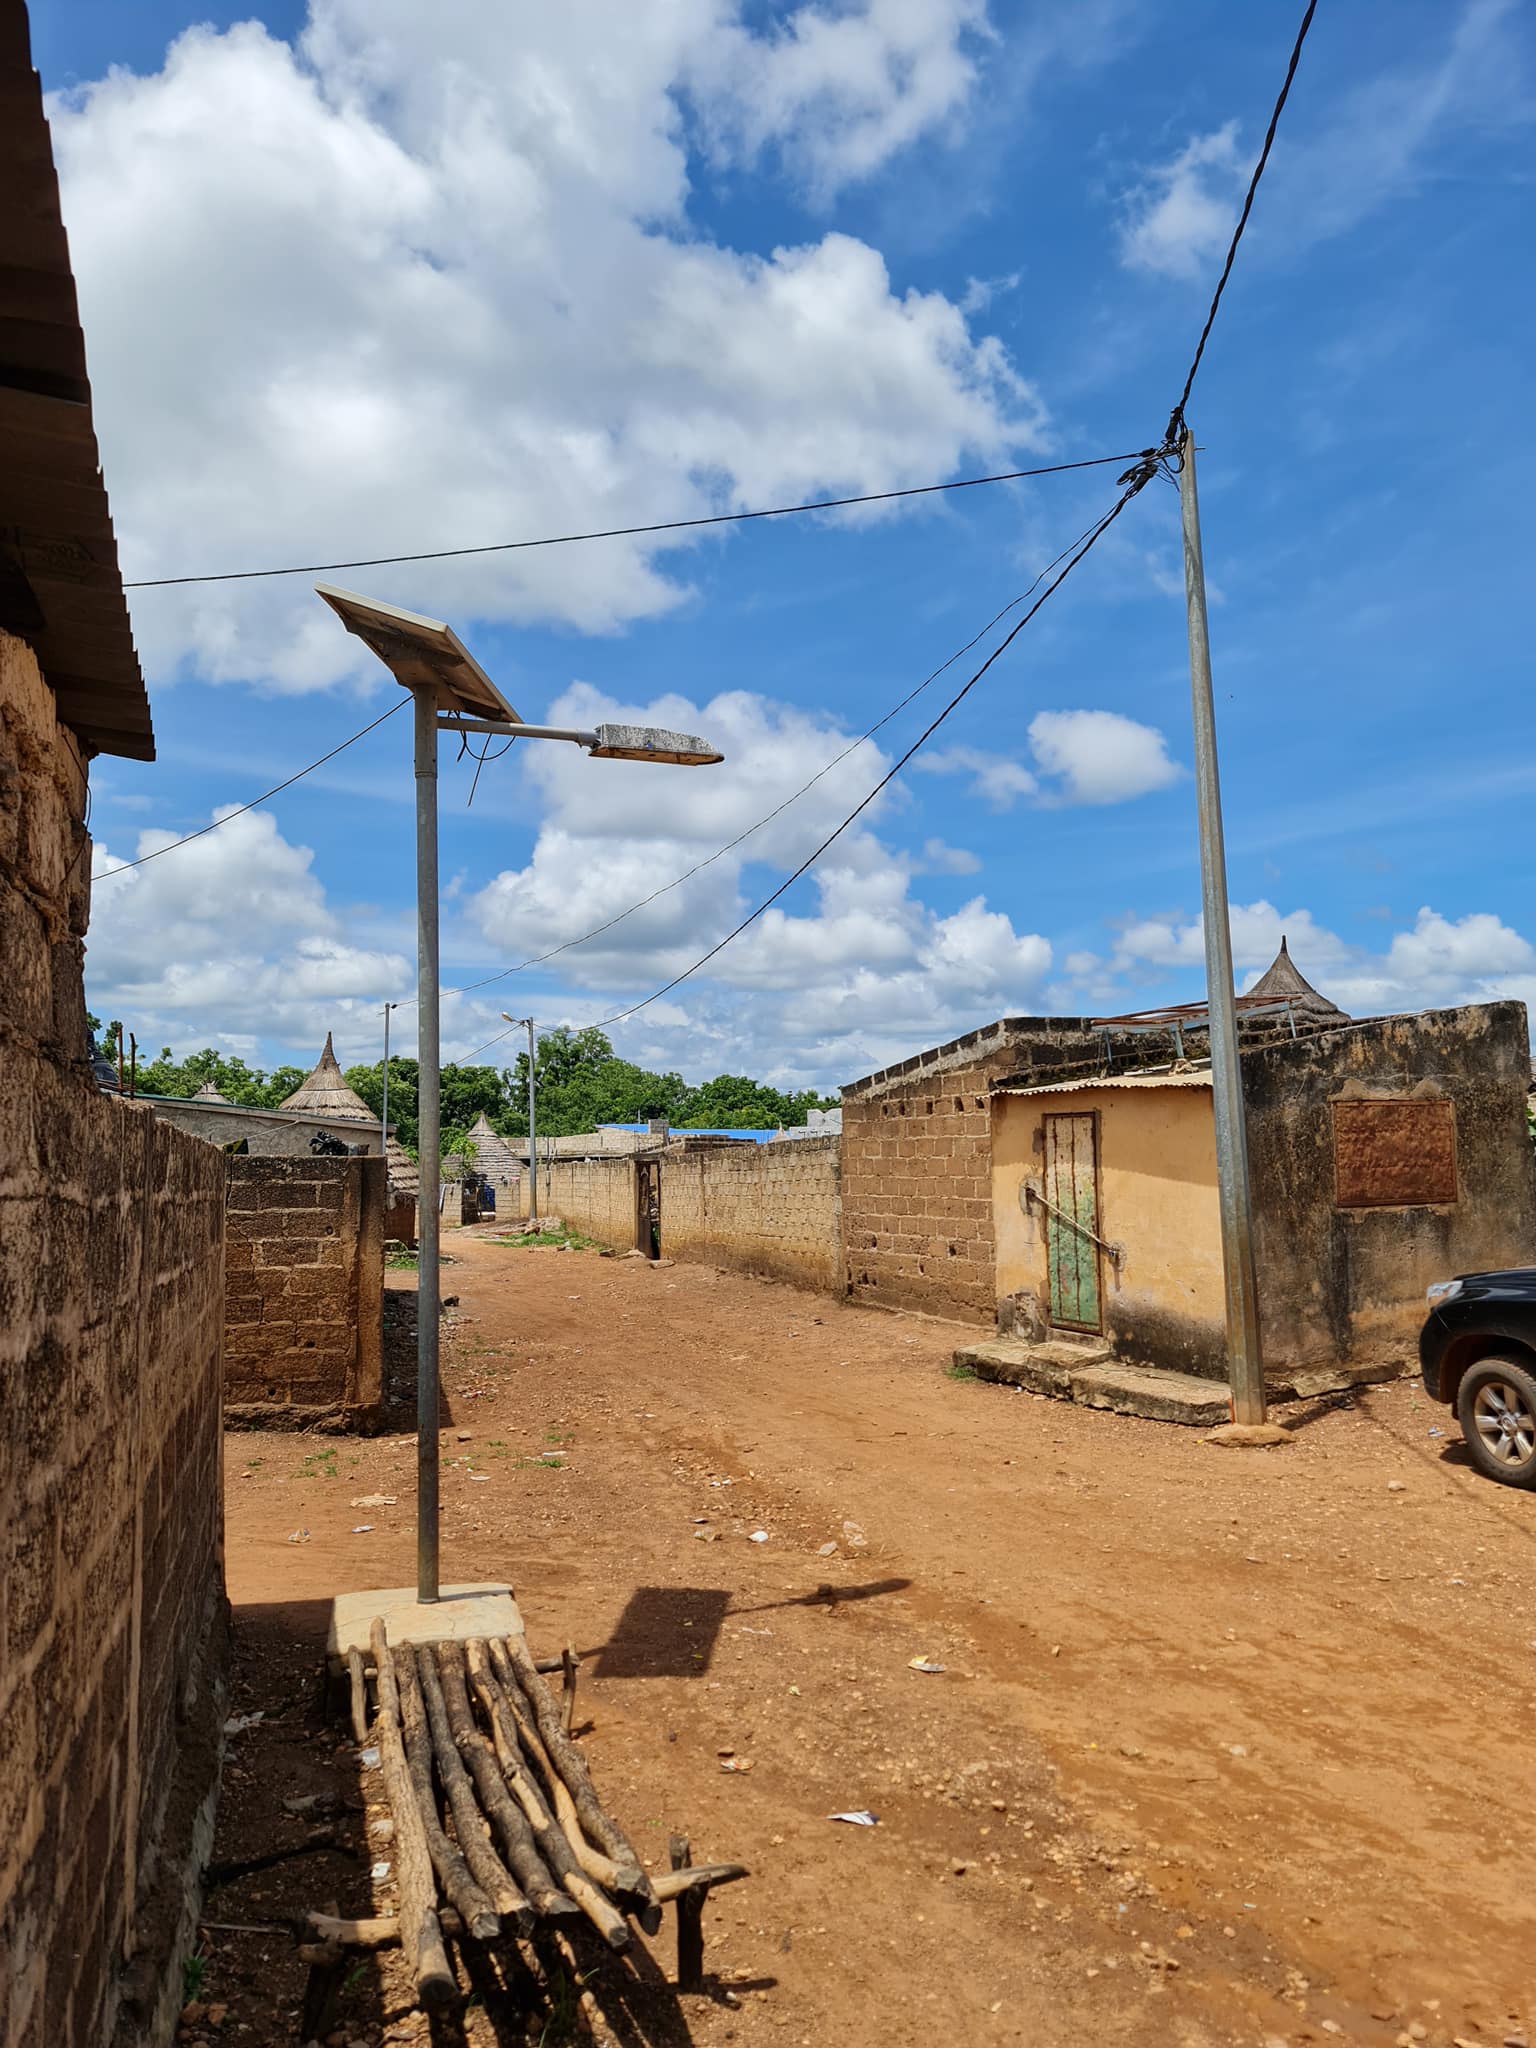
column 357, row 281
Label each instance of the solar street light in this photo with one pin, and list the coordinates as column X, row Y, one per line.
column 452, row 692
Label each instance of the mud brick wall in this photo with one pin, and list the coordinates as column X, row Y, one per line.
column 1346, row 1284
column 766, row 1209
column 917, row 1165
column 304, row 1290
column 111, row 1580
column 594, row 1196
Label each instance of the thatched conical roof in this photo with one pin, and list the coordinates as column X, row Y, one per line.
column 325, row 1093
column 208, row 1093
column 494, row 1156
column 1283, row 982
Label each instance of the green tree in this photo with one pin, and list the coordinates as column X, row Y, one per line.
column 735, row 1102
column 234, row 1080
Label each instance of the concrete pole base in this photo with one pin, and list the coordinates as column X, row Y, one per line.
column 1248, row 1435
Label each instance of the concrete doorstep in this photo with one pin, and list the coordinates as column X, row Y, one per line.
column 1083, row 1370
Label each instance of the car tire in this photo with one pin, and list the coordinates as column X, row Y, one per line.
column 1496, row 1406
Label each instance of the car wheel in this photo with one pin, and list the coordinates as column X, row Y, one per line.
column 1496, row 1403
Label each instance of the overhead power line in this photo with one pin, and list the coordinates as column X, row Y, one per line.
column 1134, row 481
column 276, row 790
column 561, row 540
column 1176, row 417
column 597, row 931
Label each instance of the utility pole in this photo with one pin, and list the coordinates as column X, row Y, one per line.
column 424, row 697
column 533, row 1130
column 384, row 1112
column 533, row 1137
column 1245, row 1357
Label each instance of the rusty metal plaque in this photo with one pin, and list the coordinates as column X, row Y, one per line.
column 1394, row 1155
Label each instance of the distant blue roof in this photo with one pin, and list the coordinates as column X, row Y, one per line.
column 699, row 1131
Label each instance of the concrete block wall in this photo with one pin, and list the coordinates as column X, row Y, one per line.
column 767, row 1209
column 770, row 1209
column 595, row 1196
column 917, row 1165
column 304, row 1290
column 111, row 1579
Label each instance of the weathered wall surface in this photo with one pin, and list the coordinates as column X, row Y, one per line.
column 111, row 1581
column 595, row 1196
column 304, row 1289
column 768, row 1209
column 286, row 1137
column 917, row 1218
column 1338, row 1282
column 1164, row 1299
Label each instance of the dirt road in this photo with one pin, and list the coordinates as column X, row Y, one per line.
column 1228, row 1747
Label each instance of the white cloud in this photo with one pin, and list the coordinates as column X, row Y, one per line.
column 1182, row 212
column 1098, row 757
column 1374, row 144
column 839, row 89
column 941, row 859
column 995, row 778
column 428, row 278
column 231, row 941
column 1085, row 757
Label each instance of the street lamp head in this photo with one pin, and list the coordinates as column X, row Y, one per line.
column 418, row 651
column 653, row 743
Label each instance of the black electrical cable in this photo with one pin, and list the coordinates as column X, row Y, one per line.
column 566, row 945
column 1176, row 417
column 560, row 540
column 1135, row 480
column 276, row 790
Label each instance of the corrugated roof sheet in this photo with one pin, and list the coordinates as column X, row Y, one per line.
column 1199, row 1077
column 60, row 586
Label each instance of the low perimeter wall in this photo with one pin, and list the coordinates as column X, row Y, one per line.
column 765, row 1209
column 304, row 1290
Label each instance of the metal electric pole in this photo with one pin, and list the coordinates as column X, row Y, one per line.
column 384, row 1112
column 429, row 1141
column 533, row 1135
column 1245, row 1357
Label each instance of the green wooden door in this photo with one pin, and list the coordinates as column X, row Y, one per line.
column 1072, row 1220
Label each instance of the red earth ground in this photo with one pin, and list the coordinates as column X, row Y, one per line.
column 1229, row 1746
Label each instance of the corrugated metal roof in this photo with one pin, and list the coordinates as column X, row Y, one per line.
column 1199, row 1077
column 60, row 586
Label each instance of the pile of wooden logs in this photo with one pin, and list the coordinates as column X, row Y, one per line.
column 498, row 1829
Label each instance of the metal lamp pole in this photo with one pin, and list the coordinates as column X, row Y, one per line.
column 1245, row 1358
column 533, row 1149
column 429, row 1143
column 451, row 692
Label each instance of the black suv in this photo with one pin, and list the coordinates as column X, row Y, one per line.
column 1477, row 1352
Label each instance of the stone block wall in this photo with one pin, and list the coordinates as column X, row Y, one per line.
column 768, row 1209
column 917, row 1165
column 304, row 1290
column 111, row 1579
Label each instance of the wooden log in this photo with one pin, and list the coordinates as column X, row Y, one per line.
column 568, row 1664
column 322, row 1987
column 382, row 1932
column 600, row 1868
column 503, row 1812
column 359, row 1696
column 690, row 1922
column 490, row 1872
column 421, row 1936
column 473, row 1904
column 696, row 1877
column 548, row 1834
column 571, row 1765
